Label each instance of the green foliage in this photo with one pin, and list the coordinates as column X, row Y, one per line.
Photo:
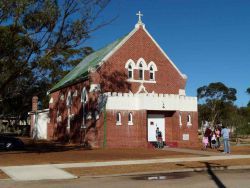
column 40, row 41
column 217, row 107
column 215, row 97
column 248, row 91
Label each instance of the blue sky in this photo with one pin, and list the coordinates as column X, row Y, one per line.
column 208, row 40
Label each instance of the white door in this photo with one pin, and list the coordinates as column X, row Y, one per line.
column 41, row 125
column 154, row 121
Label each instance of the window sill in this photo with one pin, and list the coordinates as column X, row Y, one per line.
column 118, row 123
column 130, row 123
column 142, row 81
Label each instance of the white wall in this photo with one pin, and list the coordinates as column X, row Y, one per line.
column 41, row 125
column 150, row 101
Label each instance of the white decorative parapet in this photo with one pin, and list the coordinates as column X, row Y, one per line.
column 150, row 101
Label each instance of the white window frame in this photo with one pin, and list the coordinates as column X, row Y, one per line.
column 62, row 97
column 130, row 118
column 58, row 117
column 189, row 120
column 151, row 72
column 118, row 118
column 180, row 119
column 140, row 68
column 130, row 69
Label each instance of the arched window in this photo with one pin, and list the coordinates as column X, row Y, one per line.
column 130, row 72
column 130, row 118
column 180, row 123
column 118, row 118
column 141, row 72
column 189, row 121
column 151, row 73
column 58, row 117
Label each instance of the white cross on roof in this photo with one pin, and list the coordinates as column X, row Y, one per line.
column 139, row 14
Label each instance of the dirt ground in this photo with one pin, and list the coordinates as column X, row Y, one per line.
column 124, row 169
column 3, row 175
column 44, row 152
column 79, row 155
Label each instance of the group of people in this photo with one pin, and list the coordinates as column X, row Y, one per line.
column 211, row 138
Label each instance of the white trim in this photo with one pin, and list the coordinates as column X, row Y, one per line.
column 61, row 97
column 69, row 99
column 151, row 72
column 152, row 64
column 182, row 75
column 142, row 88
column 51, row 100
column 119, row 122
column 75, row 93
column 182, row 92
column 130, row 115
column 180, row 119
column 144, row 64
column 131, row 62
column 151, row 101
column 189, row 122
column 142, row 81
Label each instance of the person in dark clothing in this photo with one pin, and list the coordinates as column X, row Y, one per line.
column 207, row 134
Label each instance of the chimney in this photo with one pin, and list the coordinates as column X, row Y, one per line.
column 34, row 103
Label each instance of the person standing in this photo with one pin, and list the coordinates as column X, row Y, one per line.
column 225, row 135
column 157, row 137
column 208, row 135
column 217, row 133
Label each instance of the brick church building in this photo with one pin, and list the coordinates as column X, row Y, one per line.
column 119, row 95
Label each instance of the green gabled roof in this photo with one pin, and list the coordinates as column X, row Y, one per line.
column 81, row 70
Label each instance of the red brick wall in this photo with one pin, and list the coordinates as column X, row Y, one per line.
column 57, row 130
column 125, row 135
column 136, row 135
column 140, row 45
column 112, row 76
column 192, row 130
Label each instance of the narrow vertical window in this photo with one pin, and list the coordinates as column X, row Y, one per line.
column 151, row 73
column 130, row 72
column 189, row 122
column 180, row 123
column 118, row 118
column 130, row 118
column 141, row 75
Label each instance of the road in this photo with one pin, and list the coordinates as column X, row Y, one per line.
column 226, row 178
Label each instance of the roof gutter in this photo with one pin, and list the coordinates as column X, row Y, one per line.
column 69, row 84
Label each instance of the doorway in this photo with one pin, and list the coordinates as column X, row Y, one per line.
column 154, row 121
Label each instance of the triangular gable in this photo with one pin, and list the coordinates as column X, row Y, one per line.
column 97, row 58
column 158, row 46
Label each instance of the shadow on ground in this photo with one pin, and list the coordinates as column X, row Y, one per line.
column 210, row 167
column 27, row 145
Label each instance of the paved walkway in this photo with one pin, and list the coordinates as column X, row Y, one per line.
column 150, row 161
column 55, row 171
column 36, row 172
column 196, row 152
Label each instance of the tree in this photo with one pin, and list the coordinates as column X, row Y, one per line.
column 216, row 96
column 40, row 41
column 248, row 92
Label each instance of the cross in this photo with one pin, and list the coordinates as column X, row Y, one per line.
column 139, row 14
